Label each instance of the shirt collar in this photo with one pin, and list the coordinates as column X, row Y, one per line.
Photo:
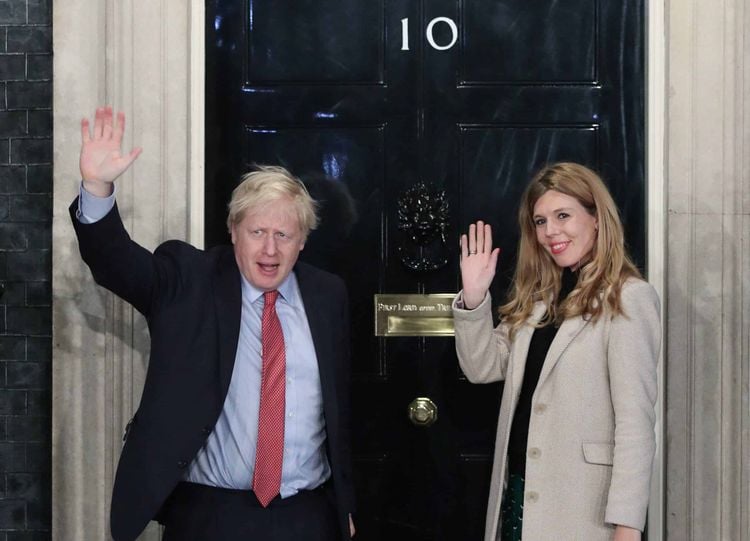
column 288, row 290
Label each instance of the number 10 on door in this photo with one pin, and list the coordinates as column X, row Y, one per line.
column 429, row 33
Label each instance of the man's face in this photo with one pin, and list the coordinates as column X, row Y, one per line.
column 267, row 243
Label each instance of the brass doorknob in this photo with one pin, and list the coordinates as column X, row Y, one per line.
column 423, row 411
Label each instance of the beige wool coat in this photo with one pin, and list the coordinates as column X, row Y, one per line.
column 591, row 434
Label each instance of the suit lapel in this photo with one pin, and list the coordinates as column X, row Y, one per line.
column 315, row 309
column 569, row 329
column 228, row 304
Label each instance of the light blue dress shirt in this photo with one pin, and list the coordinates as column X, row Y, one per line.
column 227, row 459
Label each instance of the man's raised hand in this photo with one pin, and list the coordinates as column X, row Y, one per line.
column 101, row 161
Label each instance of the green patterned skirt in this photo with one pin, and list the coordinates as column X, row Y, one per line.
column 512, row 509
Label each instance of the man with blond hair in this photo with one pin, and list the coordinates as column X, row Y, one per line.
column 242, row 431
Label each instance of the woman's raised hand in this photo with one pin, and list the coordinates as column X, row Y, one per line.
column 478, row 262
column 101, row 161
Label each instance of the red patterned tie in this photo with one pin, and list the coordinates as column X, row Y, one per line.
column 270, row 449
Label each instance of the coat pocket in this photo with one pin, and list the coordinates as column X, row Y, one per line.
column 598, row 453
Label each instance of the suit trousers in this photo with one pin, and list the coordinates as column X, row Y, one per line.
column 199, row 513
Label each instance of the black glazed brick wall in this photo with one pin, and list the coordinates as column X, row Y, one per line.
column 25, row 268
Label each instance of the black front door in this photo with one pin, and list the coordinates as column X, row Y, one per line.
column 367, row 99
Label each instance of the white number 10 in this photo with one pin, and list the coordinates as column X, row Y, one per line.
column 428, row 31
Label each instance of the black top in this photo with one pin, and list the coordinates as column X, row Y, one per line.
column 540, row 343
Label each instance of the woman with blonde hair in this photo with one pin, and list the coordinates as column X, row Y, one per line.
column 577, row 347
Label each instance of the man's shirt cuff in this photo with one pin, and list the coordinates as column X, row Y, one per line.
column 91, row 208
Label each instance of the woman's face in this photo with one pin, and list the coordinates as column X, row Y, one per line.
column 564, row 228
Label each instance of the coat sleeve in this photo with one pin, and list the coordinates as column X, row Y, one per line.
column 632, row 356
column 121, row 265
column 483, row 352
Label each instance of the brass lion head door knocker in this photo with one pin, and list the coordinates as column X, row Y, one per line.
column 423, row 220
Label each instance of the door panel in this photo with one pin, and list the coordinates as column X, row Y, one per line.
column 327, row 89
column 320, row 41
column 530, row 42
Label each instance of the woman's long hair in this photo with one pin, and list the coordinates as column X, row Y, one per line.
column 601, row 275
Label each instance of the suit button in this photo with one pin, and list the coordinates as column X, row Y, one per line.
column 182, row 464
column 535, row 452
column 540, row 408
column 206, row 430
column 532, row 496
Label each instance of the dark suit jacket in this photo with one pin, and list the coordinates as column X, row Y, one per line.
column 192, row 302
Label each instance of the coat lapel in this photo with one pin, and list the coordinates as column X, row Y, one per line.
column 228, row 304
column 314, row 300
column 565, row 335
column 569, row 329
